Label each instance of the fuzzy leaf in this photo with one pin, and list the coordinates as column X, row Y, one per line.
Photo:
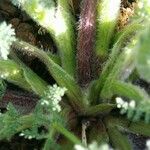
column 99, row 109
column 37, row 84
column 60, row 75
column 13, row 73
column 122, row 37
column 129, row 90
column 123, row 67
column 140, row 128
column 143, row 55
column 9, row 122
column 118, row 140
column 108, row 11
column 135, row 127
column 22, row 76
column 98, row 133
column 127, row 31
column 60, row 26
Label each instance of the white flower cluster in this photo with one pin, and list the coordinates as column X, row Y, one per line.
column 125, row 105
column 26, row 136
column 7, row 36
column 93, row 146
column 53, row 96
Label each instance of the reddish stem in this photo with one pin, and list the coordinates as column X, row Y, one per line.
column 86, row 36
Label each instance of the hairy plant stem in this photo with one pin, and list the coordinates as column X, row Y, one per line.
column 85, row 43
column 48, row 143
column 66, row 133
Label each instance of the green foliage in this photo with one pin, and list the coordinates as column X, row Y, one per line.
column 118, row 140
column 21, row 76
column 135, row 111
column 143, row 55
column 59, row 26
column 59, row 74
column 11, row 72
column 45, row 116
column 124, row 52
column 2, row 88
column 142, row 11
column 107, row 14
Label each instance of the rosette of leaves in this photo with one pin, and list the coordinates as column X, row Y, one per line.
column 95, row 66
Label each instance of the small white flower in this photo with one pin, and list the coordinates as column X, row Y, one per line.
column 148, row 144
column 7, row 36
column 44, row 102
column 53, row 96
column 105, row 147
column 93, row 146
column 125, row 105
column 21, row 134
column 80, row 147
column 29, row 137
column 119, row 102
column 4, row 75
column 132, row 104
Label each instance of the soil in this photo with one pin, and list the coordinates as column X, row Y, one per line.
column 27, row 30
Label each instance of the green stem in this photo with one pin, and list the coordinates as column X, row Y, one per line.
column 26, row 121
column 99, row 109
column 66, row 133
column 55, row 58
column 48, row 142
